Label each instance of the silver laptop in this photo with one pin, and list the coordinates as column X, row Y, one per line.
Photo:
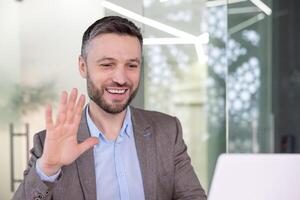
column 256, row 177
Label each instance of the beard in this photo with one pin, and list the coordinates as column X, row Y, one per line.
column 96, row 95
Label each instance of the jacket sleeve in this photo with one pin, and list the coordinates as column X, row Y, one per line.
column 32, row 187
column 187, row 185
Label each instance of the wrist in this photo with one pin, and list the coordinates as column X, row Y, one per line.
column 47, row 169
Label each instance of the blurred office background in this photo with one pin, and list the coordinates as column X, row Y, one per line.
column 229, row 70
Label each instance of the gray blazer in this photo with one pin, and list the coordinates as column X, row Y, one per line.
column 165, row 165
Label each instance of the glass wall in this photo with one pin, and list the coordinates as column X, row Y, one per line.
column 182, row 76
column 250, row 119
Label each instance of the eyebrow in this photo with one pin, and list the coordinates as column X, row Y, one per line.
column 135, row 60
column 105, row 59
column 113, row 59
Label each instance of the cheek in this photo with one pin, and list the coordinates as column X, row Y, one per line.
column 98, row 78
column 135, row 79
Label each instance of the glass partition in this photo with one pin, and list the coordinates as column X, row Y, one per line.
column 250, row 119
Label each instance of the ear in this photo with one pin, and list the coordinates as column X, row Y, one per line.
column 82, row 67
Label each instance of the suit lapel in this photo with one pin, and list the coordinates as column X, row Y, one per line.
column 145, row 146
column 86, row 163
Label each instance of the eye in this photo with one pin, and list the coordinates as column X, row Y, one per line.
column 132, row 65
column 106, row 64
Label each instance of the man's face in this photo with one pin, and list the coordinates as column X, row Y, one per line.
column 112, row 70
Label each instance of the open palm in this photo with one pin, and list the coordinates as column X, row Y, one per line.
column 61, row 146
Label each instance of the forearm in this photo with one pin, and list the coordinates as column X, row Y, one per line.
column 32, row 186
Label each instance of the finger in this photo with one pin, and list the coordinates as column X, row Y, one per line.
column 61, row 116
column 79, row 108
column 87, row 144
column 80, row 104
column 48, row 117
column 71, row 104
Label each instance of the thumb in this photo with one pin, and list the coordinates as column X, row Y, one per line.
column 87, row 144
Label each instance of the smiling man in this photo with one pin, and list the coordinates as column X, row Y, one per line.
column 108, row 149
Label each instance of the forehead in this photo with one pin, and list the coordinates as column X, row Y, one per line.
column 114, row 45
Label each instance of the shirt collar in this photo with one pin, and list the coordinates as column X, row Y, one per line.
column 125, row 130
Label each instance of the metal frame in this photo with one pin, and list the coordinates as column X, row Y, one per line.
column 12, row 163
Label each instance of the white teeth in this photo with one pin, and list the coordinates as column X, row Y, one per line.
column 114, row 91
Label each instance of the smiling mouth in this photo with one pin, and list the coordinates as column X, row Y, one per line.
column 116, row 91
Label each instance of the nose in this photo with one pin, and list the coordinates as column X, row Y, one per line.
column 119, row 75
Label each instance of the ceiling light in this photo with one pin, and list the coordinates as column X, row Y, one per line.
column 261, row 5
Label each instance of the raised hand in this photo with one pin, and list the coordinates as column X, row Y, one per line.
column 61, row 146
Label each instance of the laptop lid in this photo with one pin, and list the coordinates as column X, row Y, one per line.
column 256, row 177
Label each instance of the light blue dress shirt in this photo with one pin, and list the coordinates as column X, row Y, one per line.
column 118, row 174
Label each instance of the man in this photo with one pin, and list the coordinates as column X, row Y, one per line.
column 136, row 154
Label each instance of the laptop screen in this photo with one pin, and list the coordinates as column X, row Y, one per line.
column 256, row 177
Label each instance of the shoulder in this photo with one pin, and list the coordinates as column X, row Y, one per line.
column 153, row 116
column 162, row 124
